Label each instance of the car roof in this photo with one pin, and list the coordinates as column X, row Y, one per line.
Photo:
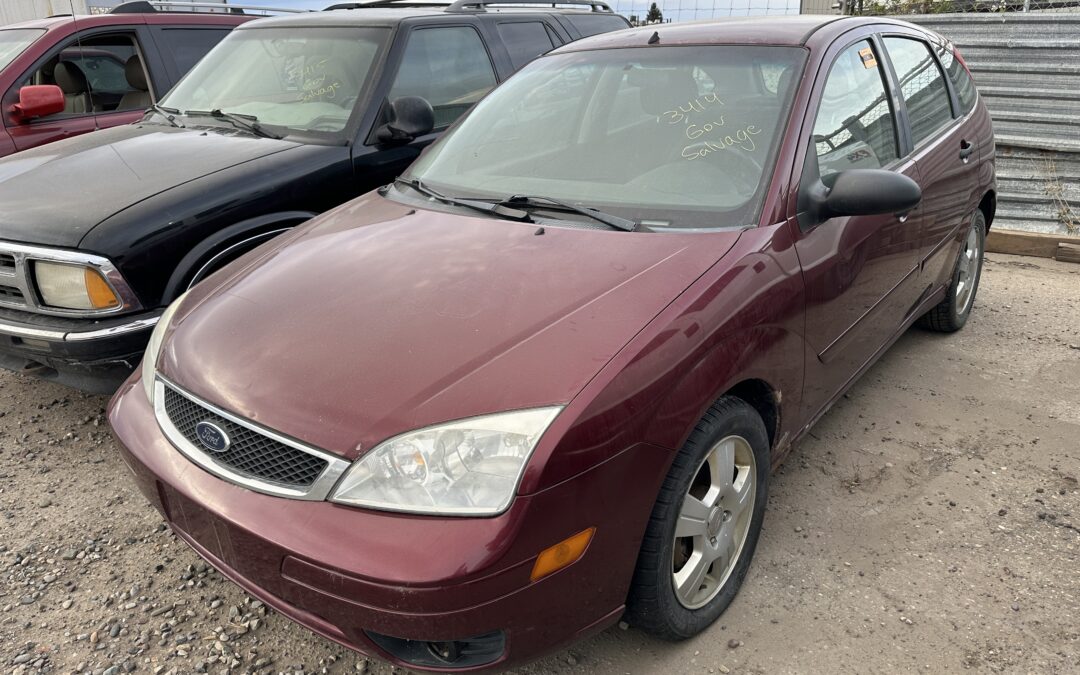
column 792, row 30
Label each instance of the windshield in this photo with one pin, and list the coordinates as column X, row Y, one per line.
column 14, row 41
column 667, row 136
column 304, row 79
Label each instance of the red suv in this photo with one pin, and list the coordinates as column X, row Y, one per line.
column 540, row 381
column 64, row 76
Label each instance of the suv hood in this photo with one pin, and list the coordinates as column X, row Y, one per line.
column 54, row 194
column 377, row 319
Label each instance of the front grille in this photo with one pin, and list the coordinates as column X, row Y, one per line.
column 7, row 263
column 250, row 453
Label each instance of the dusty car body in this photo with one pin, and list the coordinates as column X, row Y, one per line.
column 655, row 376
column 286, row 118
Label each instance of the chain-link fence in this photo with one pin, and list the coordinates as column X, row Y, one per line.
column 901, row 7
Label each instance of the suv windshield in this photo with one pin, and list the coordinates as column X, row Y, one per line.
column 302, row 79
column 668, row 136
column 14, row 41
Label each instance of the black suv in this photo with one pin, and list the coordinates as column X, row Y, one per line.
column 284, row 119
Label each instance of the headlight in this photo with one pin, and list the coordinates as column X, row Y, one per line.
column 69, row 286
column 150, row 356
column 470, row 467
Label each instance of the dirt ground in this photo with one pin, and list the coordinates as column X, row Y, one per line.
column 931, row 523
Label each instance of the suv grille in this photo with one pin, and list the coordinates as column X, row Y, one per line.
column 250, row 453
column 11, row 294
column 7, row 263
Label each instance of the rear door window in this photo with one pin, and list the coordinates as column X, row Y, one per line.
column 449, row 67
column 525, row 40
column 923, row 86
column 189, row 45
column 594, row 24
column 855, row 127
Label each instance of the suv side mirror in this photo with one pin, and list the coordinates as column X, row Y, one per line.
column 857, row 192
column 38, row 100
column 409, row 117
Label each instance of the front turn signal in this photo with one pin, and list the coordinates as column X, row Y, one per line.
column 101, row 295
column 563, row 554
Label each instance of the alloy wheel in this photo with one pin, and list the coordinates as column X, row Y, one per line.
column 968, row 269
column 714, row 521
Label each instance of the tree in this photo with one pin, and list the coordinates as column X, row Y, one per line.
column 654, row 15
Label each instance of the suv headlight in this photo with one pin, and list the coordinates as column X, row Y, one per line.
column 468, row 467
column 153, row 348
column 73, row 286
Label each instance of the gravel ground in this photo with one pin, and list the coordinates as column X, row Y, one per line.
column 931, row 523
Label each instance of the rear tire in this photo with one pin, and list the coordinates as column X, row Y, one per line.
column 952, row 313
column 705, row 524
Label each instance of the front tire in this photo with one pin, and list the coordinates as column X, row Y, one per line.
column 705, row 524
column 952, row 313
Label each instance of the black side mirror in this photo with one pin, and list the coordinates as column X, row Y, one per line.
column 857, row 192
column 867, row 192
column 408, row 118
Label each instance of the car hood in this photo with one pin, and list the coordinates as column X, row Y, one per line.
column 54, row 194
column 377, row 319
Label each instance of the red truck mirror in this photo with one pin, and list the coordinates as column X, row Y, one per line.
column 38, row 100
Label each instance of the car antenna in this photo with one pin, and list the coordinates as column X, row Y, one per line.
column 655, row 37
column 78, row 43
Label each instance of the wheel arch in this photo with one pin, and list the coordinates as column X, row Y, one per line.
column 763, row 398
column 762, row 366
column 988, row 206
column 226, row 245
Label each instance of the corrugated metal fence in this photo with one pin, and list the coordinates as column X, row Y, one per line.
column 12, row 11
column 1027, row 68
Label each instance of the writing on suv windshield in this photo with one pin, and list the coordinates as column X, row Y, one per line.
column 300, row 79
column 664, row 136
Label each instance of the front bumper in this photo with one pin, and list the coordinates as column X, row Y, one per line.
column 91, row 355
column 349, row 573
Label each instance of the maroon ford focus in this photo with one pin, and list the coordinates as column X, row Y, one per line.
column 540, row 381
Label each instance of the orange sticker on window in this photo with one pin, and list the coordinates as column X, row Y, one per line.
column 867, row 56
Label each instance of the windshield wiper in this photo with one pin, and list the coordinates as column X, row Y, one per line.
column 168, row 113
column 240, row 121
column 545, row 202
column 497, row 210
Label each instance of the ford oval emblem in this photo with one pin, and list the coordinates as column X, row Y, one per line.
column 212, row 437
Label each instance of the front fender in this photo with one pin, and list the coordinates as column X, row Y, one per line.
column 225, row 245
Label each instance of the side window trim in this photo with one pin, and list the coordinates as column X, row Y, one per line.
column 905, row 145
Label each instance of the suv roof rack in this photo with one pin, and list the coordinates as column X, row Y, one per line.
column 152, row 6
column 473, row 5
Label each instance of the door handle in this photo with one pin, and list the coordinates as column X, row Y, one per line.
column 965, row 150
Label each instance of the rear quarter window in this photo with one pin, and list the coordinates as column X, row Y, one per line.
column 961, row 79
column 594, row 24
